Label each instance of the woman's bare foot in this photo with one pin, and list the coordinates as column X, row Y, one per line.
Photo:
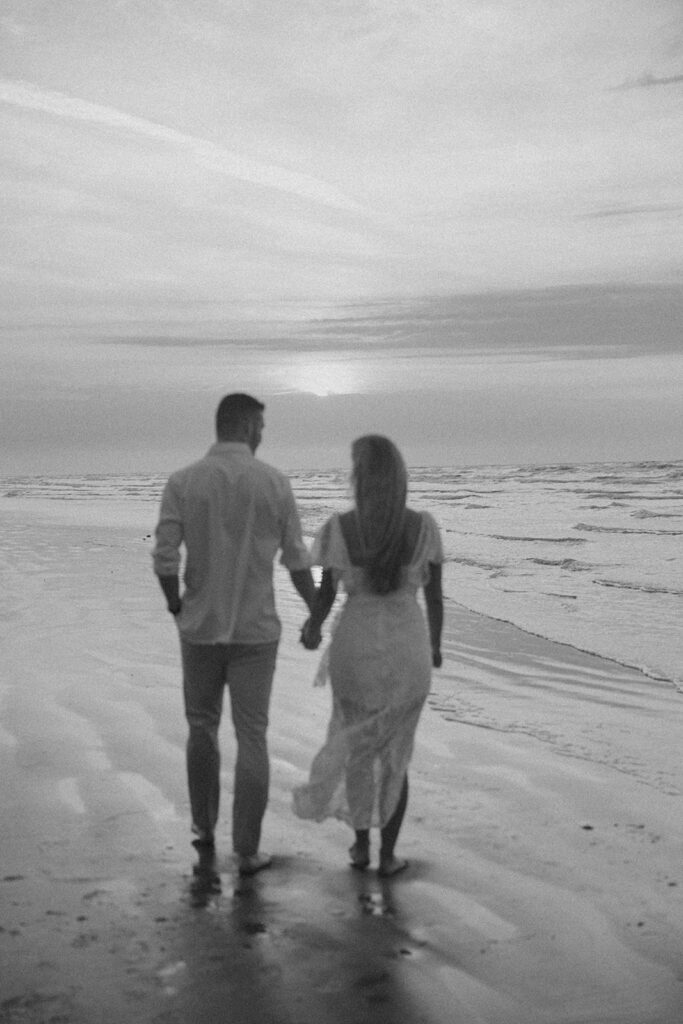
column 253, row 863
column 389, row 866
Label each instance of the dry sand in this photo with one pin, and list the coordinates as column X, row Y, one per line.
column 544, row 830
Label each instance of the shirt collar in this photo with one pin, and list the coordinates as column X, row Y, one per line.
column 228, row 447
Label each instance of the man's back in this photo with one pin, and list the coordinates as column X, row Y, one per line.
column 232, row 513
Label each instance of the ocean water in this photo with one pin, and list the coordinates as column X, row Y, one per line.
column 586, row 554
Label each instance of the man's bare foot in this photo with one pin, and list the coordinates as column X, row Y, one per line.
column 389, row 866
column 360, row 856
column 250, row 865
column 207, row 859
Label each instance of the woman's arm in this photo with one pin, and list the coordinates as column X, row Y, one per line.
column 434, row 602
column 324, row 599
column 302, row 579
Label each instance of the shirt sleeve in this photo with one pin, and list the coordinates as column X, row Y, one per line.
column 169, row 534
column 294, row 552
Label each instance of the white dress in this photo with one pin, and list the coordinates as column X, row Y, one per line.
column 379, row 663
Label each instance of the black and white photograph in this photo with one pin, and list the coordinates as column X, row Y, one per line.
column 341, row 512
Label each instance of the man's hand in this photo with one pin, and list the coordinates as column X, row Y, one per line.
column 171, row 589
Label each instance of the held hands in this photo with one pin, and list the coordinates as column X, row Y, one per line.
column 310, row 636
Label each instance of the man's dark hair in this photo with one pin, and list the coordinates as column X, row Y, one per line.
column 235, row 410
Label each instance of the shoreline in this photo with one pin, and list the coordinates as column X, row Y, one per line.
column 654, row 674
column 127, row 512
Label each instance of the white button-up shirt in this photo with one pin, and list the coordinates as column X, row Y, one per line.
column 232, row 513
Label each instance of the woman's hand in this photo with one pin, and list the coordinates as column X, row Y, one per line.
column 311, row 636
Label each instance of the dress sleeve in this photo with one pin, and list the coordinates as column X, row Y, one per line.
column 429, row 548
column 433, row 544
column 329, row 550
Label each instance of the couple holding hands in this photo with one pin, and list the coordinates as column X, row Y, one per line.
column 233, row 513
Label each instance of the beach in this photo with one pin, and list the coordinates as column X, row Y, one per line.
column 544, row 830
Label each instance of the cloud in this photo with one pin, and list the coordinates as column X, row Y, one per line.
column 13, row 27
column 631, row 211
column 550, row 323
column 649, row 81
column 216, row 158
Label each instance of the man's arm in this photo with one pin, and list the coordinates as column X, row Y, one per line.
column 294, row 551
column 166, row 554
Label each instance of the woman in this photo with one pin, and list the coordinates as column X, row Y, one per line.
column 381, row 652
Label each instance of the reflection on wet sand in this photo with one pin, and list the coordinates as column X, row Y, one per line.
column 254, row 944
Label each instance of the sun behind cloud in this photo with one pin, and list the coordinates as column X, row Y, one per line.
column 324, row 374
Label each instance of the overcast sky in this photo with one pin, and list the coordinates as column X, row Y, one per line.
column 458, row 222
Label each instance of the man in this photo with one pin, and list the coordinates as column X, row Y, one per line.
column 232, row 513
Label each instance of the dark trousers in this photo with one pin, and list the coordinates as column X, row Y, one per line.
column 247, row 671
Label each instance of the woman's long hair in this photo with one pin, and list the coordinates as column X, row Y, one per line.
column 380, row 482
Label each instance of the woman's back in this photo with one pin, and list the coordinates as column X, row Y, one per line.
column 354, row 543
column 379, row 655
column 340, row 549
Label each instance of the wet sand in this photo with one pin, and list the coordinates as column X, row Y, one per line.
column 544, row 830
